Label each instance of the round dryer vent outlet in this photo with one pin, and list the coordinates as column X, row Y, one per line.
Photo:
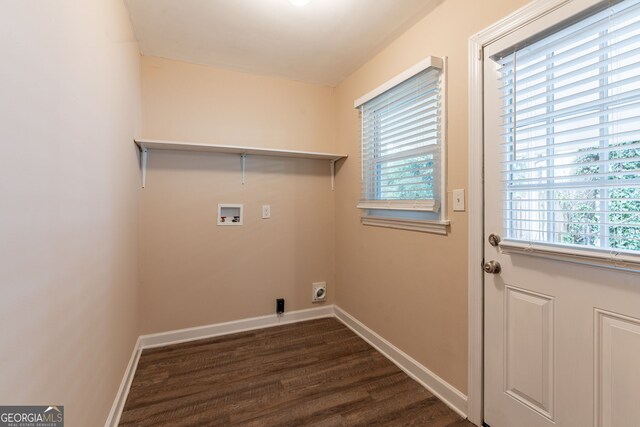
column 319, row 292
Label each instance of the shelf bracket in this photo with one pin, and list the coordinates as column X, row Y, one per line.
column 243, row 160
column 332, row 165
column 143, row 160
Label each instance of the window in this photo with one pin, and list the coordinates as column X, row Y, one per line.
column 571, row 134
column 402, row 147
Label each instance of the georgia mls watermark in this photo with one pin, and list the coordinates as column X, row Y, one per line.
column 32, row 416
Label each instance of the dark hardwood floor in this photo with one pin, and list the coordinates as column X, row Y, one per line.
column 314, row 373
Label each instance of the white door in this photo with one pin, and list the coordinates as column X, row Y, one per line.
column 562, row 175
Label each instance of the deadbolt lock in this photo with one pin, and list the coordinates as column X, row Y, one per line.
column 494, row 239
column 491, row 267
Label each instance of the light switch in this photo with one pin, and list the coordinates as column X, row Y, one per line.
column 458, row 200
column 266, row 211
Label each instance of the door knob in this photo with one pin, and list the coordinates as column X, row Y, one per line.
column 494, row 240
column 491, row 267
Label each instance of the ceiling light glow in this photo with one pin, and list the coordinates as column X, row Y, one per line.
column 299, row 3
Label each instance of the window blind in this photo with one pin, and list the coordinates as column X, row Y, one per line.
column 401, row 145
column 571, row 134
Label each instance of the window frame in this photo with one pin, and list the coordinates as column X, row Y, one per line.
column 426, row 215
column 601, row 254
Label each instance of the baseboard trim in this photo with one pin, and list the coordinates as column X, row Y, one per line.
column 451, row 396
column 444, row 391
column 123, row 391
column 200, row 332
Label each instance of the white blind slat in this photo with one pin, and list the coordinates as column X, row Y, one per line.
column 581, row 111
column 567, row 76
column 591, row 157
column 573, row 94
column 585, row 53
column 582, row 144
column 592, row 40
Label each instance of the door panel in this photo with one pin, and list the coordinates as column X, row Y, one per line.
column 561, row 339
column 618, row 378
column 529, row 357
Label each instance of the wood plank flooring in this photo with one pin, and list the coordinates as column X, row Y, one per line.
column 314, row 373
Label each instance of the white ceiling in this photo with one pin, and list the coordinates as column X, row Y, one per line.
column 322, row 42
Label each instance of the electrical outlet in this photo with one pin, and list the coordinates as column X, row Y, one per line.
column 458, row 200
column 266, row 211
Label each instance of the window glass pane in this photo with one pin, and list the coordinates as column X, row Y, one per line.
column 571, row 134
column 401, row 139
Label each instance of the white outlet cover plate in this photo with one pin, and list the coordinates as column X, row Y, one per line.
column 458, row 200
column 266, row 211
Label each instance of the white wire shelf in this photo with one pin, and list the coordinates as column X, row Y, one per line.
column 155, row 144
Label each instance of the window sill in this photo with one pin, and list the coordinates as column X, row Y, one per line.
column 435, row 227
column 401, row 205
column 595, row 257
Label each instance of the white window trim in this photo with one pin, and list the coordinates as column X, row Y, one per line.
column 401, row 205
column 429, row 61
column 369, row 206
column 606, row 258
column 425, row 226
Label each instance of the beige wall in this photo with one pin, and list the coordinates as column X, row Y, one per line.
column 194, row 272
column 411, row 287
column 69, row 108
column 189, row 102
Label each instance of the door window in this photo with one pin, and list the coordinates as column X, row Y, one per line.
column 571, row 133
